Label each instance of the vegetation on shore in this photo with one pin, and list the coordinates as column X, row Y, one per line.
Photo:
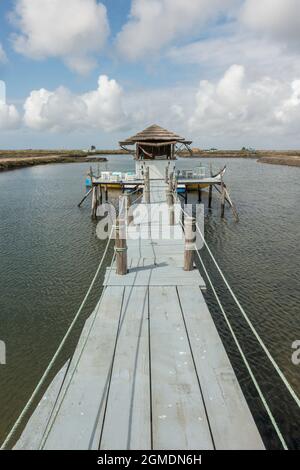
column 13, row 159
column 288, row 157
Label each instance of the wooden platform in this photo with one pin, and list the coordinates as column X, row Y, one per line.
column 150, row 370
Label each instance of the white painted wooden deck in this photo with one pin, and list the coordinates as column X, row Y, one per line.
column 150, row 370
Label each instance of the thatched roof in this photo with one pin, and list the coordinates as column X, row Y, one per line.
column 154, row 133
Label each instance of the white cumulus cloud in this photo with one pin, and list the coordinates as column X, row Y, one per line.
column 279, row 19
column 9, row 117
column 155, row 23
column 61, row 110
column 236, row 106
column 72, row 30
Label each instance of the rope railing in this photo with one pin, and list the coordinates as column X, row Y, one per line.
column 54, row 416
column 250, row 324
column 252, row 328
column 42, row 381
column 249, row 369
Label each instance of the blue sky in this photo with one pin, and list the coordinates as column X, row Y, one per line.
column 225, row 73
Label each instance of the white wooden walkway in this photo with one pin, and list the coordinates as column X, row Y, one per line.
column 150, row 370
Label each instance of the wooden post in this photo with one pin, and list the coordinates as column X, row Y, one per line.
column 129, row 215
column 222, row 199
column 167, row 175
column 210, row 196
column 170, row 200
column 85, row 197
column 147, row 186
column 94, row 203
column 190, row 240
column 199, row 194
column 99, row 195
column 106, row 193
column 228, row 198
column 176, row 184
column 121, row 246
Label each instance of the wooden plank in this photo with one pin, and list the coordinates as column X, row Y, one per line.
column 159, row 275
column 178, row 415
column 127, row 422
column 231, row 422
column 79, row 421
column 32, row 435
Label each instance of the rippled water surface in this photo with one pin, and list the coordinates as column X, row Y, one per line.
column 49, row 253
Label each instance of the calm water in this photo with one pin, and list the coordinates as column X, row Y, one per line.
column 49, row 253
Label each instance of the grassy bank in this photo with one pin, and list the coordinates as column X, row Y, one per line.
column 13, row 159
column 293, row 160
column 288, row 157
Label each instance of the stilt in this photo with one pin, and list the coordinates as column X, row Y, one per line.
column 176, row 184
column 170, row 201
column 210, row 196
column 190, row 241
column 199, row 194
column 222, row 199
column 94, row 203
column 85, row 197
column 228, row 198
column 106, row 193
column 229, row 201
column 147, row 186
column 167, row 175
column 99, row 194
column 129, row 214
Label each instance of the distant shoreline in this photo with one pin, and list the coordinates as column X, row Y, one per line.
column 286, row 157
column 14, row 159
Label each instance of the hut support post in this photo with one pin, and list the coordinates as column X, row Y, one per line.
column 167, row 175
column 190, row 241
column 210, row 196
column 222, row 199
column 129, row 215
column 228, row 198
column 147, row 186
column 199, row 194
column 94, row 203
column 85, row 197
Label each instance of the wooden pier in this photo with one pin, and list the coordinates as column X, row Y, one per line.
column 150, row 370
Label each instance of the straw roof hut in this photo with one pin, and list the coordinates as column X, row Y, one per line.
column 154, row 142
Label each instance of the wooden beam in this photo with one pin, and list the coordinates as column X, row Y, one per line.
column 85, row 197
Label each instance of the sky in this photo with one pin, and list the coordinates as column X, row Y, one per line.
column 223, row 73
